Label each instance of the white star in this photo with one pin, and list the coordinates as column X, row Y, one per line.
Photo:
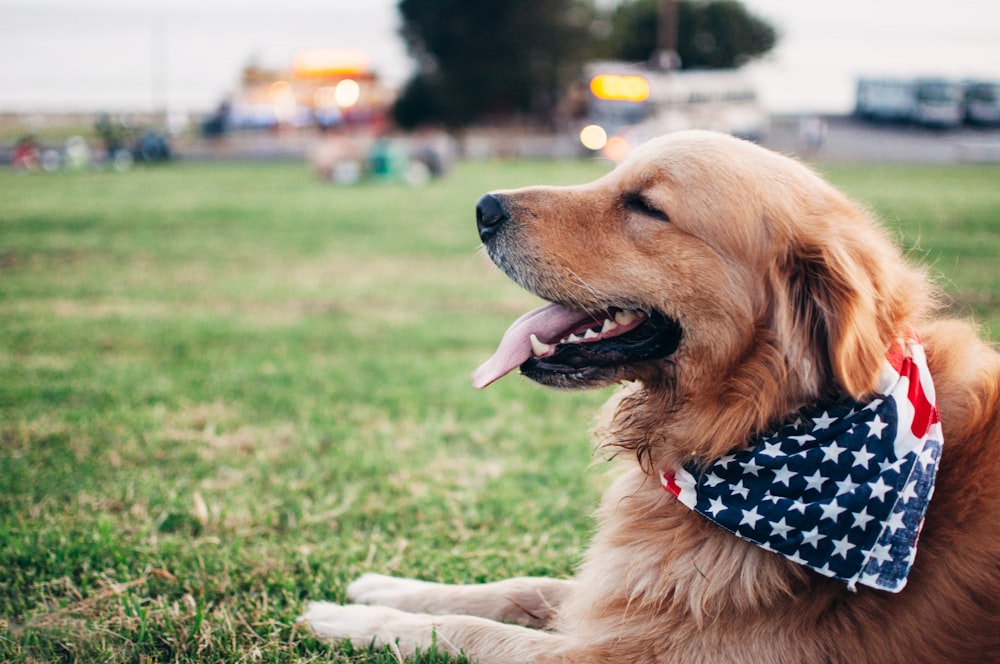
column 712, row 480
column 873, row 404
column 751, row 468
column 862, row 518
column 880, row 552
column 927, row 457
column 815, row 481
column 895, row 522
column 841, row 547
column 738, row 488
column 715, row 505
column 797, row 559
column 825, row 570
column 846, row 486
column 823, row 421
column 802, row 438
column 781, row 528
column 771, row 450
column 880, row 489
column 832, row 452
column 812, row 537
column 798, row 506
column 832, row 511
column 870, row 580
column 876, row 426
column 726, row 460
column 862, row 457
column 909, row 492
column 891, row 466
column 751, row 517
column 783, row 474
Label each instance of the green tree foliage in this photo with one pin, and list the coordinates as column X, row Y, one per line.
column 711, row 34
column 490, row 60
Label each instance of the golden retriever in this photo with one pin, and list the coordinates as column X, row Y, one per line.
column 735, row 293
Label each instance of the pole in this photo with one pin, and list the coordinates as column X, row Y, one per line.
column 666, row 36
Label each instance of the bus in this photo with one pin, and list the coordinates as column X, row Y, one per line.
column 928, row 102
column 629, row 103
column 982, row 103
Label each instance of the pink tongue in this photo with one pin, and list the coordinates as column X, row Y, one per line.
column 547, row 323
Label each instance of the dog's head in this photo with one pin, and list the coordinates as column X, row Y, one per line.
column 706, row 268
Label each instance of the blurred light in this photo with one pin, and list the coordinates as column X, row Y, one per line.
column 325, row 97
column 280, row 91
column 593, row 137
column 283, row 98
column 616, row 148
column 319, row 62
column 347, row 93
column 620, row 88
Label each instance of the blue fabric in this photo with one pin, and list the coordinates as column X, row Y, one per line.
column 843, row 489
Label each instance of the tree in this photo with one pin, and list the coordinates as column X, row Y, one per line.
column 712, row 34
column 490, row 60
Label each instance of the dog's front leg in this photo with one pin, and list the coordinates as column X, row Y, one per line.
column 482, row 641
column 528, row 601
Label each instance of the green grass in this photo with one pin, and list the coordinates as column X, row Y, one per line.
column 225, row 389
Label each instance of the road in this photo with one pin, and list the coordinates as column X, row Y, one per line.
column 848, row 139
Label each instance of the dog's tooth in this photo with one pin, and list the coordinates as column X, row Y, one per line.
column 591, row 334
column 539, row 348
column 574, row 339
column 608, row 325
column 625, row 317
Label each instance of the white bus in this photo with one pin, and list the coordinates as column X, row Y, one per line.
column 630, row 103
column 982, row 103
column 929, row 102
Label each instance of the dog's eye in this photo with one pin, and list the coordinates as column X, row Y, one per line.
column 638, row 203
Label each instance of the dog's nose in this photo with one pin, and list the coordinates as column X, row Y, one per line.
column 490, row 216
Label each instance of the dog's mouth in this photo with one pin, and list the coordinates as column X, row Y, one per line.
column 563, row 347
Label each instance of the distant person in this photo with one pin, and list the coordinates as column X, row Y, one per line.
column 812, row 133
column 26, row 156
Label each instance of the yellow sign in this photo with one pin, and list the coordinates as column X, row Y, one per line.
column 319, row 62
column 620, row 88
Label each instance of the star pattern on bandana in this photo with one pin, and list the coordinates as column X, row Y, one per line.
column 842, row 489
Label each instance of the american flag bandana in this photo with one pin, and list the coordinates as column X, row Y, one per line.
column 842, row 489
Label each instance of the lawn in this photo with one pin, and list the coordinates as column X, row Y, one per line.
column 228, row 388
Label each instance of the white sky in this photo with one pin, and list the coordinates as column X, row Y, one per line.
column 134, row 54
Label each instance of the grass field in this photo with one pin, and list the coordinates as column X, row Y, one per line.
column 225, row 389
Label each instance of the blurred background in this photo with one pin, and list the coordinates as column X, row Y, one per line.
column 84, row 80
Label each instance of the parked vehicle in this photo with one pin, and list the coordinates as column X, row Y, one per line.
column 628, row 103
column 982, row 103
column 929, row 102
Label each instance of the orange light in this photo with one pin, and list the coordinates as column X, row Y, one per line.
column 616, row 148
column 620, row 88
column 319, row 62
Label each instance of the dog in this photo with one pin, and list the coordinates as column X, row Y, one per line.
column 748, row 308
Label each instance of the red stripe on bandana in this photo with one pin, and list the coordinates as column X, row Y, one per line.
column 668, row 480
column 925, row 413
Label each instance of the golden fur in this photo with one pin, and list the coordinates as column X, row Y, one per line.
column 786, row 292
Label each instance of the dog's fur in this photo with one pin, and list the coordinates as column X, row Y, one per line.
column 786, row 292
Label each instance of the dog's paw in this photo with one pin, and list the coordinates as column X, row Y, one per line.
column 384, row 590
column 371, row 626
column 361, row 625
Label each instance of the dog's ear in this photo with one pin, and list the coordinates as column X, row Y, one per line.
column 839, row 306
column 851, row 292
